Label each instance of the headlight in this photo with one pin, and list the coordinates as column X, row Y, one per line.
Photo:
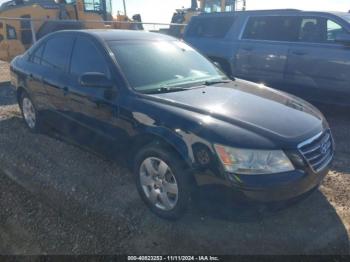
column 253, row 162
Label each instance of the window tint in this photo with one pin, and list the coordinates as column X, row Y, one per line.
column 87, row 58
column 37, row 55
column 273, row 28
column 211, row 27
column 57, row 52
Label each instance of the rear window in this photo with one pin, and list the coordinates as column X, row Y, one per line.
column 57, row 52
column 273, row 28
column 210, row 27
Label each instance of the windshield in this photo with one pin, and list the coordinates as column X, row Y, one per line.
column 346, row 17
column 211, row 6
column 149, row 65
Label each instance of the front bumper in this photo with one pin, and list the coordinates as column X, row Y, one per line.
column 277, row 187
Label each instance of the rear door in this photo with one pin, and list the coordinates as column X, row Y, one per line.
column 318, row 67
column 34, row 81
column 264, row 44
column 54, row 63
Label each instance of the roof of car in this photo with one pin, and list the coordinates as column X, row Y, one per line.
column 117, row 34
column 271, row 11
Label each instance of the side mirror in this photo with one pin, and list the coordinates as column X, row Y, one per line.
column 343, row 39
column 97, row 80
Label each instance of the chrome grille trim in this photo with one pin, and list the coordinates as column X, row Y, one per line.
column 318, row 151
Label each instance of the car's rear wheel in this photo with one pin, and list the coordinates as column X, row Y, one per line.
column 162, row 181
column 29, row 113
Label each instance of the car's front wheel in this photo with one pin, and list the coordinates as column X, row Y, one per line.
column 29, row 112
column 162, row 181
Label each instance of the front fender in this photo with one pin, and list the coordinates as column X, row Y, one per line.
column 170, row 137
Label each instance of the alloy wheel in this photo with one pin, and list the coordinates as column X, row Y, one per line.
column 159, row 183
column 29, row 112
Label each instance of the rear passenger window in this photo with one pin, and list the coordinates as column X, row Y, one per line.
column 37, row 55
column 273, row 28
column 87, row 58
column 57, row 52
column 312, row 30
column 211, row 27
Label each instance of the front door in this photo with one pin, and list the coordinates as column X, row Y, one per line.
column 318, row 67
column 92, row 109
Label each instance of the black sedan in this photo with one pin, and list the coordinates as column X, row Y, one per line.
column 181, row 120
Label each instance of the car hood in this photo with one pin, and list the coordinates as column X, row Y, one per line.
column 251, row 106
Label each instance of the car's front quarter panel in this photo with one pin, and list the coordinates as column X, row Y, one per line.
column 189, row 133
column 192, row 134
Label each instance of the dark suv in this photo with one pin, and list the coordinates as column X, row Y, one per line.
column 305, row 53
column 179, row 119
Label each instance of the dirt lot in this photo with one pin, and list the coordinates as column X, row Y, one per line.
column 4, row 72
column 57, row 198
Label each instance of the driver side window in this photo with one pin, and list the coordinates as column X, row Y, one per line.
column 319, row 30
column 87, row 58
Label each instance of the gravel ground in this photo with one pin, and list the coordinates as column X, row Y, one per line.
column 57, row 198
column 4, row 72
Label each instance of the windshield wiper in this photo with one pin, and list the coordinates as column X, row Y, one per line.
column 169, row 89
column 165, row 89
column 214, row 82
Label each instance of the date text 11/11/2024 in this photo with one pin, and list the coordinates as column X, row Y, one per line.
column 173, row 258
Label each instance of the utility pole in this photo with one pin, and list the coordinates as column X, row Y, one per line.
column 124, row 7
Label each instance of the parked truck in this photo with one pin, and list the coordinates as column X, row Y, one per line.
column 305, row 53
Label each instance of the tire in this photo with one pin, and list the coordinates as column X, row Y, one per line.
column 168, row 195
column 29, row 113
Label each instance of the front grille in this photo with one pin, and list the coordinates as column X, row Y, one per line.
column 318, row 151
